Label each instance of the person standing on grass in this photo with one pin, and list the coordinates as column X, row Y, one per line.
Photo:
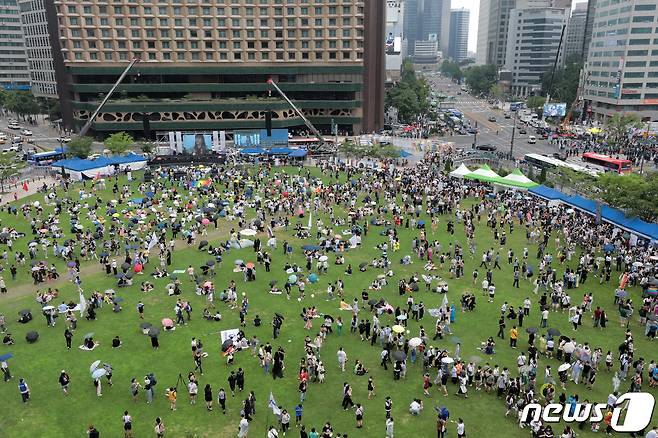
column 513, row 336
column 6, row 374
column 221, row 399
column 159, row 428
column 299, row 409
column 390, row 424
column 243, row 428
column 64, row 381
column 172, row 396
column 127, row 425
column 207, row 396
column 134, row 388
column 358, row 412
column 371, row 388
column 342, row 359
column 92, row 432
column 193, row 390
column 461, row 428
column 140, row 309
column 68, row 335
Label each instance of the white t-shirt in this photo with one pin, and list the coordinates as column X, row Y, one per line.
column 460, row 428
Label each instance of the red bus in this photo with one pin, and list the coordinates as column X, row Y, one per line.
column 610, row 164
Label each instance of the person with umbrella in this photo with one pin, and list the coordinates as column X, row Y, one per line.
column 64, row 381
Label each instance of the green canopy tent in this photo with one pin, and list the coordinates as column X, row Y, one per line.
column 518, row 180
column 484, row 173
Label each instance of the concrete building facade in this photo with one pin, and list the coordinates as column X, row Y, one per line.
column 427, row 20
column 493, row 23
column 575, row 35
column 14, row 67
column 204, row 64
column 38, row 48
column 458, row 41
column 532, row 45
column 622, row 64
column 395, row 41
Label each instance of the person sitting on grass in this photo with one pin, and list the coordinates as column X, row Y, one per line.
column 359, row 369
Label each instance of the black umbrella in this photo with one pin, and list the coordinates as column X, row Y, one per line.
column 414, row 287
column 362, row 265
column 278, row 315
column 531, row 330
column 154, row 332
column 210, row 262
column 24, row 312
column 145, row 325
column 120, row 275
column 553, row 332
column 104, row 254
column 399, row 355
column 129, row 274
column 125, row 266
column 372, row 302
column 31, row 337
column 273, row 282
column 227, row 344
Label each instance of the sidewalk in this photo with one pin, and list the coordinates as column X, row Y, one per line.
column 33, row 186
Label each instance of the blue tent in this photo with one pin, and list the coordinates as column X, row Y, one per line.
column 404, row 154
column 253, row 151
column 608, row 214
column 299, row 153
column 279, row 151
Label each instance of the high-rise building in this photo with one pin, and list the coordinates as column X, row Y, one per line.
column 38, row 48
column 204, row 64
column 459, row 20
column 589, row 22
column 575, row 35
column 492, row 31
column 532, row 45
column 622, row 64
column 14, row 69
column 395, row 42
column 427, row 20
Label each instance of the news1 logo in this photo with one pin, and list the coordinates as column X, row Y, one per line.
column 637, row 408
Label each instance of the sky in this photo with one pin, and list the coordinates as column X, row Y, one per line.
column 474, row 7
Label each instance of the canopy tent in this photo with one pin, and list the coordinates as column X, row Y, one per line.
column 460, row 172
column 78, row 168
column 517, row 179
column 404, row 154
column 484, row 173
column 608, row 214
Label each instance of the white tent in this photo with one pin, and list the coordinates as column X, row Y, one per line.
column 460, row 171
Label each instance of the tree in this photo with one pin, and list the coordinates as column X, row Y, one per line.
column 542, row 176
column 79, row 147
column 565, row 81
column 146, row 147
column 452, row 69
column 619, row 124
column 496, row 91
column 21, row 103
column 535, row 102
column 480, row 78
column 119, row 142
column 10, row 165
column 410, row 95
column 635, row 194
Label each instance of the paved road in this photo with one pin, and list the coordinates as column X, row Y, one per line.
column 498, row 133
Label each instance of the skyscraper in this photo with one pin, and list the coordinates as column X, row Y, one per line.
column 623, row 77
column 532, row 45
column 589, row 22
column 427, row 20
column 395, row 47
column 459, row 20
column 576, row 31
column 14, row 68
column 492, row 31
column 204, row 64
column 38, row 48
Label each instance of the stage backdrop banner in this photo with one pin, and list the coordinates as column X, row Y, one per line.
column 197, row 144
column 215, row 141
column 172, row 140
column 179, row 142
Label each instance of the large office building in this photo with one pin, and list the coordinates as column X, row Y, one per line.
column 395, row 42
column 458, row 41
column 205, row 63
column 622, row 64
column 14, row 68
column 589, row 22
column 575, row 35
column 532, row 45
column 38, row 48
column 427, row 20
column 492, row 31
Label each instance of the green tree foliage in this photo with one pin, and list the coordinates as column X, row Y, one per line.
column 565, row 83
column 481, row 78
column 452, row 69
column 10, row 165
column 119, row 142
column 375, row 150
column 146, row 147
column 534, row 102
column 542, row 176
column 410, row 95
column 21, row 103
column 635, row 194
column 79, row 147
column 496, row 91
column 619, row 124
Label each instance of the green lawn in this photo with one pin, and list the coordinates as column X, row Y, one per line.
column 50, row 413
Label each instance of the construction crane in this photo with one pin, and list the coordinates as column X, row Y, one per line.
column 323, row 144
column 87, row 125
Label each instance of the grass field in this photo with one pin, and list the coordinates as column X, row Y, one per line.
column 51, row 414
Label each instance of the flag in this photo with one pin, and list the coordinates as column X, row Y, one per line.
column 272, row 404
column 444, row 303
column 83, row 303
column 154, row 241
column 25, row 187
column 98, row 176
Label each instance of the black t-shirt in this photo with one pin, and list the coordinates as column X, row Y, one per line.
column 93, row 433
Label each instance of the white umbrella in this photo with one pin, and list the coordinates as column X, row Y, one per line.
column 97, row 374
column 323, row 258
column 47, row 308
column 564, row 367
column 94, row 366
column 447, row 360
column 248, row 232
column 415, row 342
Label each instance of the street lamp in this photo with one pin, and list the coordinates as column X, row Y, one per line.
column 511, row 145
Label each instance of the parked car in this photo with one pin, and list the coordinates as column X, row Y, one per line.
column 13, row 125
column 532, row 139
column 507, row 115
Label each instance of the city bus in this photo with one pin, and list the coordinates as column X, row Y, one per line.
column 513, row 106
column 545, row 162
column 45, row 158
column 610, row 164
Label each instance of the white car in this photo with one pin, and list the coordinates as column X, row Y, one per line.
column 14, row 125
column 13, row 148
column 26, row 132
column 64, row 139
column 532, row 139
